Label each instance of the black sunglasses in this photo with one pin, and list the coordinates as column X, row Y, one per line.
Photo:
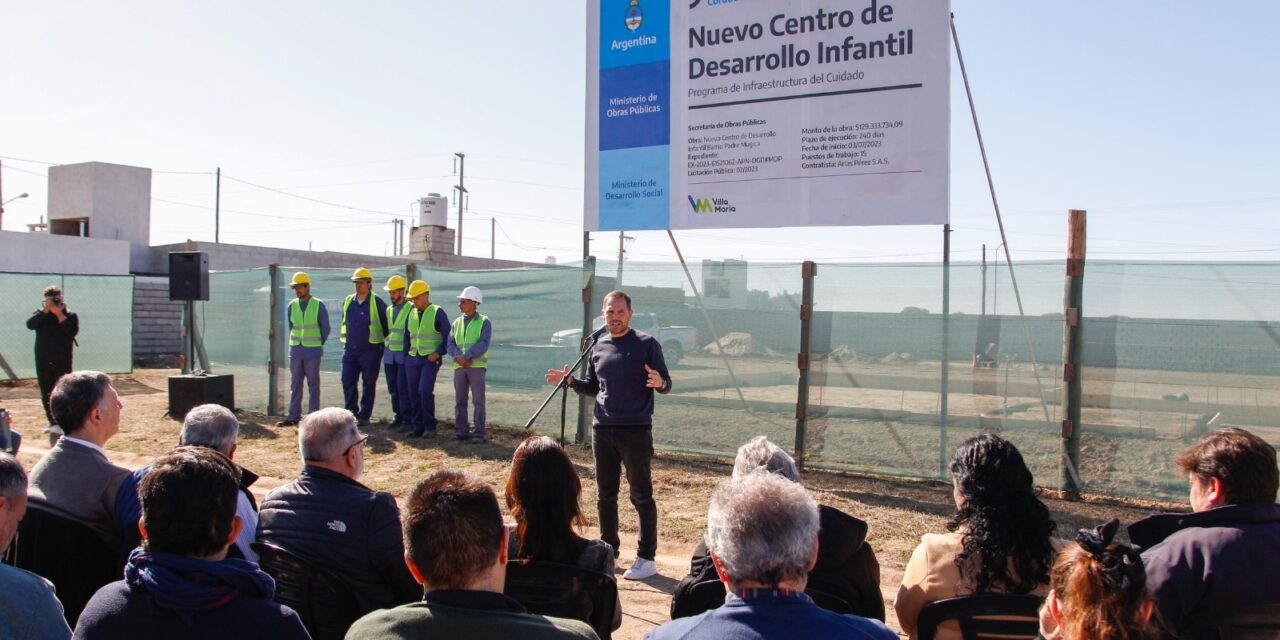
column 357, row 443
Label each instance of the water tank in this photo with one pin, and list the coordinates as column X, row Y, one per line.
column 433, row 211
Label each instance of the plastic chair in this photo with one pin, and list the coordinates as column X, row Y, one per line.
column 984, row 615
column 324, row 601
column 67, row 553
column 1255, row 623
column 564, row 591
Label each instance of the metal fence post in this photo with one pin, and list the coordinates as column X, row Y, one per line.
column 274, row 341
column 807, row 272
column 585, row 404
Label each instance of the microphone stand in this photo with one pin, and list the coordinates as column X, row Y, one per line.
column 564, row 399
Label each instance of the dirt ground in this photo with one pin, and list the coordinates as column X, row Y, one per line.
column 898, row 511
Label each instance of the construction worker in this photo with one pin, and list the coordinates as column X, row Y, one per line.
column 363, row 334
column 393, row 361
column 428, row 329
column 469, row 347
column 308, row 331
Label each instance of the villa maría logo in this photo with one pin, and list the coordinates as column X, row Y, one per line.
column 711, row 205
column 635, row 15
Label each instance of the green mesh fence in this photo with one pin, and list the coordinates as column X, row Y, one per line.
column 1171, row 350
column 103, row 303
column 525, row 306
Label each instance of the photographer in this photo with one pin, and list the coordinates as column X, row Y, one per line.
column 56, row 330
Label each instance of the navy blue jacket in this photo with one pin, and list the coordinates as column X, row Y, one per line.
column 1205, row 564
column 342, row 526
column 777, row 616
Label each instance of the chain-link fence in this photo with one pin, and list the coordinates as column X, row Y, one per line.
column 104, row 305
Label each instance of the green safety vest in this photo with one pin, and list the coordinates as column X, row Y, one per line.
column 395, row 341
column 464, row 338
column 375, row 327
column 423, row 337
column 306, row 324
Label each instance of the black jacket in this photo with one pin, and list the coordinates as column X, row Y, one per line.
column 846, row 568
column 54, row 339
column 342, row 526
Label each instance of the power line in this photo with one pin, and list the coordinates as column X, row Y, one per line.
column 307, row 198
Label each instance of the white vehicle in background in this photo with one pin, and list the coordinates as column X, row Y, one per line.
column 675, row 341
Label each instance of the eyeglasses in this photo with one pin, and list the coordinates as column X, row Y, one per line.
column 357, row 443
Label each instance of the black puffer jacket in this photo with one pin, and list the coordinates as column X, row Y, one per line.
column 846, row 568
column 340, row 525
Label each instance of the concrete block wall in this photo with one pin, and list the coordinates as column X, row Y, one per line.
column 157, row 321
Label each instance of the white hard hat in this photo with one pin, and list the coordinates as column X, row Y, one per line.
column 473, row 294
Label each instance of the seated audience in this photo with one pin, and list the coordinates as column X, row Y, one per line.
column 543, row 493
column 29, row 610
column 762, row 533
column 1225, row 555
column 180, row 583
column 1000, row 540
column 75, row 478
column 215, row 427
column 458, row 552
column 846, row 567
column 1099, row 590
column 331, row 521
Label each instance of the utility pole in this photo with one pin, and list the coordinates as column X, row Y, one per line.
column 462, row 190
column 217, row 204
column 622, row 249
column 493, row 238
column 1072, row 348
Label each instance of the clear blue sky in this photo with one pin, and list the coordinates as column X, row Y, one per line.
column 1159, row 118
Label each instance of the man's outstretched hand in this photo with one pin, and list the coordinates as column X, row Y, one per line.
column 654, row 381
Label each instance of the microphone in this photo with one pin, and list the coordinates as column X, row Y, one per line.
column 599, row 332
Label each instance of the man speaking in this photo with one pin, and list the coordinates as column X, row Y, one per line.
column 623, row 371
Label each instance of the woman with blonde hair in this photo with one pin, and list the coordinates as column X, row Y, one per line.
column 1099, row 590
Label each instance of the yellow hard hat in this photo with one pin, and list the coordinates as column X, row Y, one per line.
column 361, row 274
column 418, row 288
column 394, row 282
column 300, row 277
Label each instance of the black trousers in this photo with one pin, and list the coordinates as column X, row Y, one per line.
column 47, row 374
column 630, row 447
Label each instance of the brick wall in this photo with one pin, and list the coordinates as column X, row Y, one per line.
column 157, row 321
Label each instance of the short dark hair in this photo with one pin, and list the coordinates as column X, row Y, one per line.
column 188, row 502
column 1244, row 463
column 12, row 477
column 52, row 291
column 453, row 528
column 618, row 293
column 75, row 396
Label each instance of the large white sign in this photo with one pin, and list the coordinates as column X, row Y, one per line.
column 766, row 113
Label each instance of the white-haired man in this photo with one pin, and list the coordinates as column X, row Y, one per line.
column 327, row 518
column 762, row 531
column 214, row 427
column 846, row 567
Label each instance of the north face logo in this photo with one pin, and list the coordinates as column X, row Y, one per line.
column 338, row 525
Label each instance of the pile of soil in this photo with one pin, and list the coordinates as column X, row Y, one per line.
column 739, row 343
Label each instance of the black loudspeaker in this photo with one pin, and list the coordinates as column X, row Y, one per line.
column 188, row 392
column 188, row 275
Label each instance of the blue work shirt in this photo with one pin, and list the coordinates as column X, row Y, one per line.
column 309, row 353
column 486, row 332
column 395, row 357
column 358, row 324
